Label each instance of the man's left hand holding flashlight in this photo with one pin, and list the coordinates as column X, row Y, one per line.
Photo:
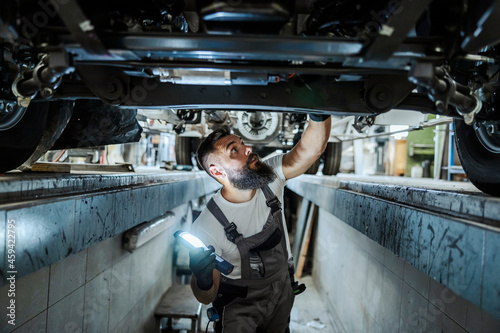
column 202, row 263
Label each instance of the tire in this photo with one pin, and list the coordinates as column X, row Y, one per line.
column 332, row 157
column 185, row 148
column 481, row 165
column 58, row 117
column 94, row 124
column 18, row 143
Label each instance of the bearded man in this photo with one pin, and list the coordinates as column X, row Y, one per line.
column 244, row 224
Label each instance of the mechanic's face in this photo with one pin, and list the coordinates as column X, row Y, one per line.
column 244, row 169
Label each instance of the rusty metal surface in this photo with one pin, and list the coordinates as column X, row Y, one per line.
column 453, row 237
column 58, row 215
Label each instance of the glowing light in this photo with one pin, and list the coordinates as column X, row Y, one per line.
column 193, row 240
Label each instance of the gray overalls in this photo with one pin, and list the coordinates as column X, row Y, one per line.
column 262, row 299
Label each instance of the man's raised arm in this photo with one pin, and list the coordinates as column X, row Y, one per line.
column 309, row 148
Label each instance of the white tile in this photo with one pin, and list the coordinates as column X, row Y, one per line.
column 37, row 324
column 439, row 322
column 119, row 287
column 414, row 307
column 67, row 314
column 452, row 304
column 417, row 279
column 394, row 263
column 31, row 294
column 66, row 276
column 388, row 311
column 104, row 255
column 100, row 257
column 97, row 304
column 372, row 289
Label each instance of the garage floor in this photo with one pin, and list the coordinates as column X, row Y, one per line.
column 309, row 313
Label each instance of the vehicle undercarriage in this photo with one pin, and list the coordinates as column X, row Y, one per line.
column 359, row 58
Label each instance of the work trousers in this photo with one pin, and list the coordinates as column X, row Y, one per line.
column 264, row 310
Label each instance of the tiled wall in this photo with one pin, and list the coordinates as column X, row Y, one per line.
column 369, row 289
column 101, row 289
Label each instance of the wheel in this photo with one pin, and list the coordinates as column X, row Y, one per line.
column 19, row 141
column 332, row 157
column 480, row 156
column 94, row 123
column 185, row 148
column 58, row 116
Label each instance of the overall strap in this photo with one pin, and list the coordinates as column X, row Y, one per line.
column 271, row 200
column 229, row 228
column 275, row 205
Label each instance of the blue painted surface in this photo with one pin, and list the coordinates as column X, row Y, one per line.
column 422, row 227
column 73, row 213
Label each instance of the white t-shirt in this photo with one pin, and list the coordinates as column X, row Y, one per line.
column 249, row 218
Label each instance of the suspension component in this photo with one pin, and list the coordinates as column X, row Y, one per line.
column 363, row 121
column 443, row 90
column 43, row 79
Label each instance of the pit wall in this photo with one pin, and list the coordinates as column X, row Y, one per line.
column 103, row 288
column 369, row 289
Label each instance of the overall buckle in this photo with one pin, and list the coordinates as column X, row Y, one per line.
column 231, row 232
column 275, row 205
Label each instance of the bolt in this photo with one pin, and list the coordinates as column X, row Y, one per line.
column 263, row 95
column 10, row 108
column 227, row 93
column 24, row 103
column 46, row 92
column 381, row 96
column 111, row 87
column 440, row 105
column 491, row 129
column 288, row 91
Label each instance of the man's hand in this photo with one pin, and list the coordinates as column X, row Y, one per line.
column 318, row 117
column 202, row 264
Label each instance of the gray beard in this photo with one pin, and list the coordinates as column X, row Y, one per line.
column 250, row 179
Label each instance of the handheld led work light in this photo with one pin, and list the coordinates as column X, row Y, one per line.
column 191, row 241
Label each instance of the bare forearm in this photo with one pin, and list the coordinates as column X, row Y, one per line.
column 315, row 137
column 309, row 149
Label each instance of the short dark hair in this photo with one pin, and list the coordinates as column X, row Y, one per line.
column 206, row 147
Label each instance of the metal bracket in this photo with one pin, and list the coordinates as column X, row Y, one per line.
column 22, row 100
column 396, row 21
column 80, row 26
column 361, row 122
column 443, row 90
column 44, row 78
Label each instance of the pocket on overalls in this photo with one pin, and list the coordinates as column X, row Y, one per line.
column 228, row 293
column 256, row 265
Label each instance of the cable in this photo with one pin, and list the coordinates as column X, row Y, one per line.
column 206, row 329
column 60, row 155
